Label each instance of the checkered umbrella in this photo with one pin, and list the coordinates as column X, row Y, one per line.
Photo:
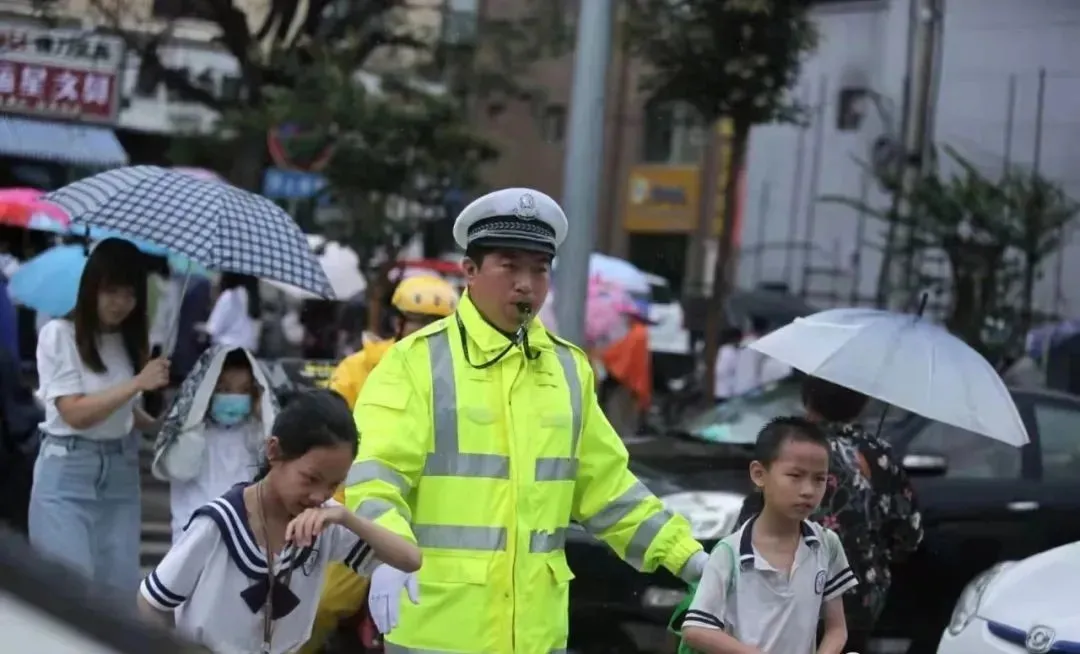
column 215, row 224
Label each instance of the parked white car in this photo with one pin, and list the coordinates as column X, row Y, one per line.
column 1030, row 606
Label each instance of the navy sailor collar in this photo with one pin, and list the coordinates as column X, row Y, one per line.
column 747, row 556
column 230, row 515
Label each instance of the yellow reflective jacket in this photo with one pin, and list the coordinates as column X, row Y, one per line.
column 353, row 371
column 486, row 469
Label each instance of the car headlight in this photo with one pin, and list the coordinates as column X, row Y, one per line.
column 712, row 514
column 967, row 607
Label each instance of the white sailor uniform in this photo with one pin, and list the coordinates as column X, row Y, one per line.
column 215, row 578
column 513, row 218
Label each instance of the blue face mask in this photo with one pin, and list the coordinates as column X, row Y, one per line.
column 230, row 409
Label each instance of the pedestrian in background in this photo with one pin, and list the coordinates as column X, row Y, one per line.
column 213, row 436
column 236, row 319
column 868, row 501
column 84, row 505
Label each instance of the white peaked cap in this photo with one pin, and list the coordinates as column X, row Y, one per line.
column 513, row 218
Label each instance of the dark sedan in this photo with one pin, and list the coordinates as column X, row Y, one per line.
column 982, row 502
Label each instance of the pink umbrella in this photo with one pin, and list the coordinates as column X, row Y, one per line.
column 23, row 207
column 608, row 307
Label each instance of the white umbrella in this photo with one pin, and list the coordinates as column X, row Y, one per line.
column 341, row 265
column 902, row 360
column 618, row 271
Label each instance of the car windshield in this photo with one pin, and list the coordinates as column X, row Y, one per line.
column 738, row 421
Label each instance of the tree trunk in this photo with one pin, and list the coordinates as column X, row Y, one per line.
column 725, row 253
column 248, row 162
column 709, row 174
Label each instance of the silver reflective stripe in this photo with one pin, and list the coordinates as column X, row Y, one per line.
column 617, row 509
column 391, row 648
column 556, row 469
column 447, row 460
column 541, row 542
column 459, row 537
column 565, row 468
column 375, row 508
column 364, row 471
column 643, row 538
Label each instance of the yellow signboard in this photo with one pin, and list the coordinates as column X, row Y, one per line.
column 662, row 199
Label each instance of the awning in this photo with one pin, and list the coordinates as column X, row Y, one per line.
column 78, row 145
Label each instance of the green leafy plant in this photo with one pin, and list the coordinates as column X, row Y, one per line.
column 995, row 233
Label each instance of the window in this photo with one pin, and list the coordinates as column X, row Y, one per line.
column 969, row 455
column 553, row 123
column 674, row 133
column 198, row 9
column 459, row 22
column 1058, row 428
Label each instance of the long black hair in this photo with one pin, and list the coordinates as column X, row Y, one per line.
column 113, row 263
column 316, row 418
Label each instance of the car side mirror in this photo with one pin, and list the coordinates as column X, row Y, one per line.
column 925, row 465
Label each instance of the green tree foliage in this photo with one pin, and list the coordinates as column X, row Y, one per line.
column 269, row 55
column 398, row 148
column 729, row 59
column 996, row 233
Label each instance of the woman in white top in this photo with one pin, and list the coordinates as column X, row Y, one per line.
column 247, row 572
column 85, row 504
column 235, row 319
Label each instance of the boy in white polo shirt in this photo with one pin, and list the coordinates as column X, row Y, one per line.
column 767, row 585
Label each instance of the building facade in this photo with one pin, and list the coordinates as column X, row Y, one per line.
column 987, row 106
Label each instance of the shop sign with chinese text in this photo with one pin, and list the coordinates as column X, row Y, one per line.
column 59, row 73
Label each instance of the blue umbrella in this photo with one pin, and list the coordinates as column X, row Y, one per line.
column 49, row 283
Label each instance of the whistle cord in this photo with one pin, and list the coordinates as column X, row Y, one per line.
column 521, row 337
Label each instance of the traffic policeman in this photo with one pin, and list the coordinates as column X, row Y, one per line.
column 418, row 301
column 482, row 440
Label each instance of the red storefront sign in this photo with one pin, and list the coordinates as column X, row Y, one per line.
column 60, row 73
column 36, row 89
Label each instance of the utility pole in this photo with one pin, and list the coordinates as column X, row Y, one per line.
column 918, row 144
column 583, row 168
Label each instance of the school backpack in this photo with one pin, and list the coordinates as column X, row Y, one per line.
column 675, row 625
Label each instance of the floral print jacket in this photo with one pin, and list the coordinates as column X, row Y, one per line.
column 870, row 504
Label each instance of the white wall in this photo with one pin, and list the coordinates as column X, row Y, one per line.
column 985, row 42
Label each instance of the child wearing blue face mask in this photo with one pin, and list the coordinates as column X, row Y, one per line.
column 213, row 435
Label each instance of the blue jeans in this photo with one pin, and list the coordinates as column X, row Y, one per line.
column 85, row 509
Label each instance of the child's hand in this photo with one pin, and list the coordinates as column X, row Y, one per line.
column 306, row 527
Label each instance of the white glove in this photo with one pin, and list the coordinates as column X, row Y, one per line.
column 691, row 572
column 384, row 595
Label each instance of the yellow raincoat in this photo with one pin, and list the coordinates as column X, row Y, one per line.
column 486, row 469
column 344, row 591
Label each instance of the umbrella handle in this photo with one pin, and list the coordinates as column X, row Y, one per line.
column 174, row 328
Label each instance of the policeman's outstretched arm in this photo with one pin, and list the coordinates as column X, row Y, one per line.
column 615, row 507
column 395, row 437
